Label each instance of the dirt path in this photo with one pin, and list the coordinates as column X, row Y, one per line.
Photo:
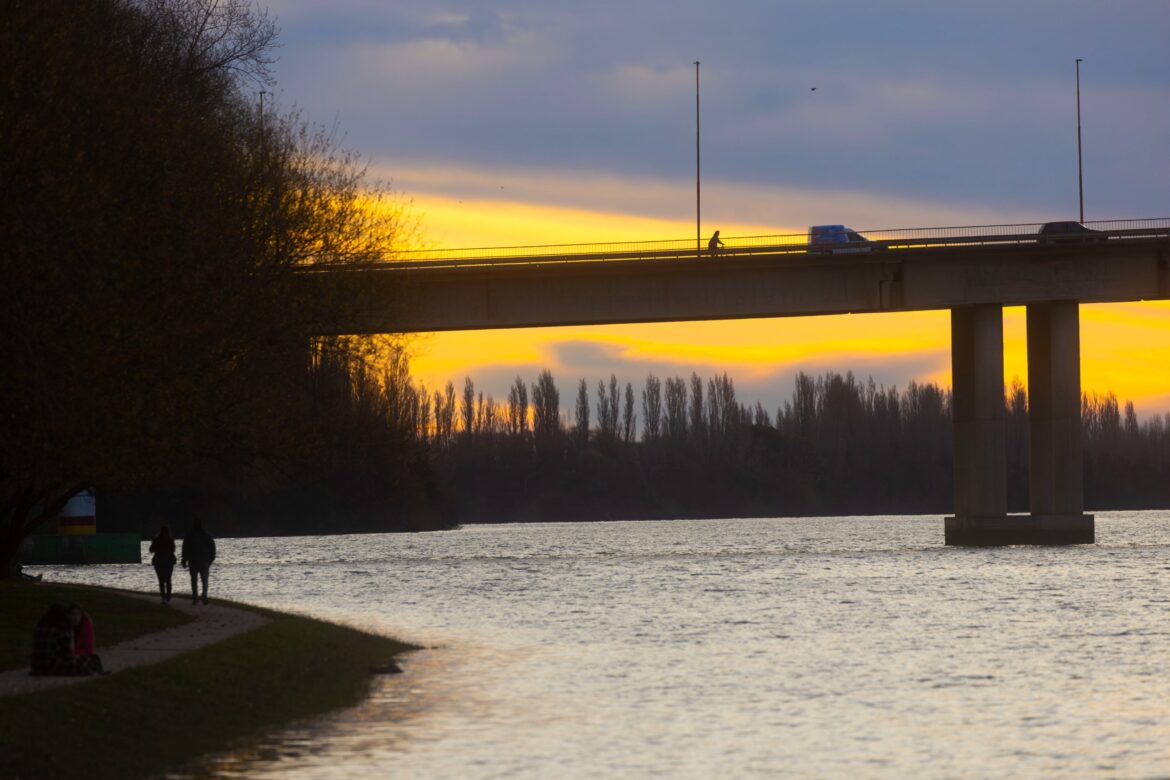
column 213, row 623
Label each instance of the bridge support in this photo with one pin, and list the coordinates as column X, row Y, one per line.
column 978, row 412
column 1056, row 500
column 1056, row 481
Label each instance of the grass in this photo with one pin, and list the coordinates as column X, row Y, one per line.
column 115, row 617
column 143, row 722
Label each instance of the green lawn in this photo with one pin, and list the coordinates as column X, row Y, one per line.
column 143, row 722
column 115, row 617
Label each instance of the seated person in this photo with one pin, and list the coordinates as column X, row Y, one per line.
column 53, row 644
column 84, row 643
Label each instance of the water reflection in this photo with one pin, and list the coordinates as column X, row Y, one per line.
column 804, row 647
column 368, row 735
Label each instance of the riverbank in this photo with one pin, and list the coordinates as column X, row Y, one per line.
column 150, row 719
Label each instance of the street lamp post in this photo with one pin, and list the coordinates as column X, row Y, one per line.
column 1080, row 177
column 698, row 200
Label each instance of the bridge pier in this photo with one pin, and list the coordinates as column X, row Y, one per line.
column 1056, row 466
column 977, row 411
column 1056, row 490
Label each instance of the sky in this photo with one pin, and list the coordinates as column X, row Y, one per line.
column 545, row 121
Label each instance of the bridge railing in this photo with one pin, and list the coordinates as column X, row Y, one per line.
column 740, row 246
column 671, row 248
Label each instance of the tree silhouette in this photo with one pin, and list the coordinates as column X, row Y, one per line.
column 546, row 403
column 629, row 417
column 467, row 408
column 581, row 432
column 675, row 397
column 152, row 228
column 651, row 407
column 518, row 408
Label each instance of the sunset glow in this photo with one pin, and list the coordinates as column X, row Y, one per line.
column 456, row 223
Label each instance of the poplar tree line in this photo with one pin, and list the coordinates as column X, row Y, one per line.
column 680, row 446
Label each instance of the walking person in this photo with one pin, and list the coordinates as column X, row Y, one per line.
column 198, row 554
column 714, row 244
column 163, row 560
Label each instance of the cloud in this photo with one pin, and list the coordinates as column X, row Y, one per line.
column 479, row 25
column 923, row 101
column 344, row 22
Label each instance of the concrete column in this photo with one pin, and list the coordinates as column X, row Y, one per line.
column 978, row 408
column 1054, row 409
column 1056, row 471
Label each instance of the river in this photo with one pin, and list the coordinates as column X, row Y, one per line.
column 798, row 647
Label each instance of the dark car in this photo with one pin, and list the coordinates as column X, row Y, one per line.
column 1069, row 232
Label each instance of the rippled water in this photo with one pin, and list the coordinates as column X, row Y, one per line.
column 828, row 647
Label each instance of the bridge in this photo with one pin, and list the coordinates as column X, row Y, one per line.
column 972, row 271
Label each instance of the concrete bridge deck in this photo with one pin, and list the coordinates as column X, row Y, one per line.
column 660, row 285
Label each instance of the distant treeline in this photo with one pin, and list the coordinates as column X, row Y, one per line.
column 389, row 455
column 678, row 447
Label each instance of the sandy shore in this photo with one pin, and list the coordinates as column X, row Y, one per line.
column 213, row 623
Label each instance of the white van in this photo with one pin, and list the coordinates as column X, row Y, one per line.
column 837, row 239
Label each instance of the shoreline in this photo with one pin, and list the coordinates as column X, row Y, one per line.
column 209, row 624
column 179, row 696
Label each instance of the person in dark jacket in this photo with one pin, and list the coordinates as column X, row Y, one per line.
column 163, row 560
column 198, row 554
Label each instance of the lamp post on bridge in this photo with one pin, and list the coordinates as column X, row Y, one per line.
column 1080, row 178
column 698, row 224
